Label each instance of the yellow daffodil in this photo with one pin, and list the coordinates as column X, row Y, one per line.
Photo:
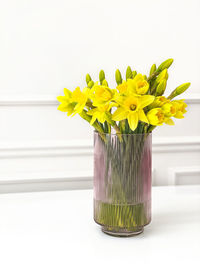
column 159, row 102
column 131, row 108
column 101, row 95
column 67, row 104
column 101, row 113
column 73, row 102
column 169, row 109
column 156, row 116
column 180, row 106
column 122, row 88
column 138, row 85
column 80, row 98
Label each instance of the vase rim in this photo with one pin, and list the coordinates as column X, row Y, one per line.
column 123, row 134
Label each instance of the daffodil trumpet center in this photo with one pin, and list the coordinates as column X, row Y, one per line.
column 133, row 107
column 141, row 84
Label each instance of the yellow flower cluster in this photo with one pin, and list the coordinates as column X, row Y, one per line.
column 136, row 104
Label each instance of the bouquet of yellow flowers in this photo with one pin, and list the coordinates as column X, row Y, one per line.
column 136, row 105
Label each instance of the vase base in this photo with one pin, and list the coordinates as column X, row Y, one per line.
column 121, row 232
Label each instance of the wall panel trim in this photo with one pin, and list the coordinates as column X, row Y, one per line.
column 49, row 100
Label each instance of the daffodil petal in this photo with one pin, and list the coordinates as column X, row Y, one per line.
column 93, row 119
column 102, row 117
column 62, row 98
column 146, row 100
column 133, row 120
column 67, row 92
column 142, row 116
column 119, row 114
column 179, row 115
column 92, row 111
column 63, row 107
column 138, row 77
column 169, row 122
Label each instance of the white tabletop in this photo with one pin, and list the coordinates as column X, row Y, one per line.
column 57, row 229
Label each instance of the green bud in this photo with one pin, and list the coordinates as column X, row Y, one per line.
column 182, row 88
column 134, row 73
column 179, row 90
column 128, row 73
column 145, row 77
column 153, row 69
column 162, row 75
column 161, row 88
column 165, row 65
column 101, row 76
column 88, row 78
column 118, row 77
column 105, row 83
column 90, row 84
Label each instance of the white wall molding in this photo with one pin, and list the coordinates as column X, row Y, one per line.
column 85, row 147
column 47, row 149
column 49, row 100
column 179, row 172
column 191, row 98
column 41, row 183
column 43, row 100
column 176, row 144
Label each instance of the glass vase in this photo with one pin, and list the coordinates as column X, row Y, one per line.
column 122, row 182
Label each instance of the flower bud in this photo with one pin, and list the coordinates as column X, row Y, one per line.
column 145, row 77
column 118, row 77
column 163, row 75
column 134, row 73
column 165, row 65
column 182, row 88
column 88, row 78
column 101, row 76
column 161, row 88
column 128, row 73
column 153, row 69
column 90, row 84
column 105, row 83
column 179, row 90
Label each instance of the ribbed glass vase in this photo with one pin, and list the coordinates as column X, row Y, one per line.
column 122, row 182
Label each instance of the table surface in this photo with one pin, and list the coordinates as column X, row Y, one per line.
column 57, row 229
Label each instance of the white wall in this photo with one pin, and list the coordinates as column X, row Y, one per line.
column 49, row 45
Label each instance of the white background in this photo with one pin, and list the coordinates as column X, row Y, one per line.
column 49, row 45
